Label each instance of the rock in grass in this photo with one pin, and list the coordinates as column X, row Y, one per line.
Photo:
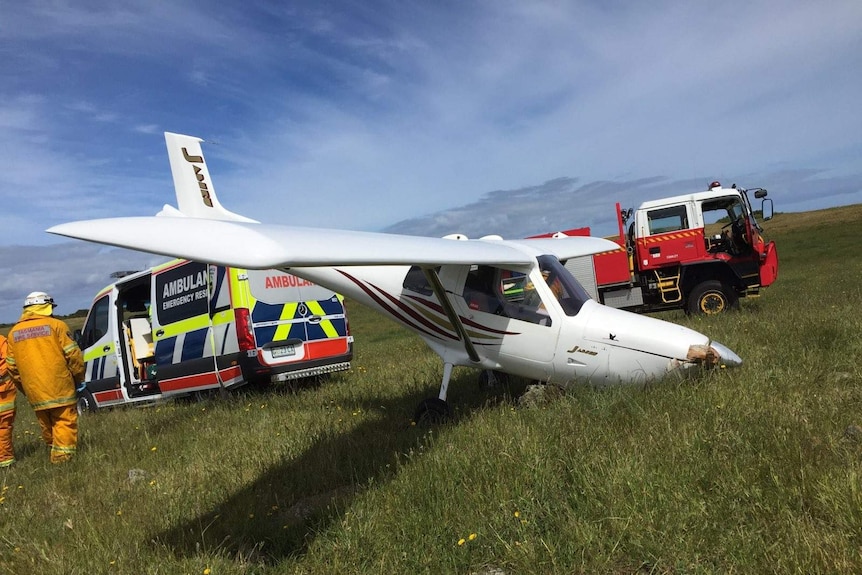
column 853, row 432
column 542, row 394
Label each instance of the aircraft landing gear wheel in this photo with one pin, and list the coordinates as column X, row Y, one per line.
column 710, row 298
column 489, row 379
column 432, row 411
column 86, row 403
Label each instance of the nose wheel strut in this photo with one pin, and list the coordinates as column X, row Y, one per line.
column 435, row 409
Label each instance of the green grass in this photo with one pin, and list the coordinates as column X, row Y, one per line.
column 742, row 471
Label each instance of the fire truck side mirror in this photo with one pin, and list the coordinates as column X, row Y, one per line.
column 761, row 193
column 766, row 208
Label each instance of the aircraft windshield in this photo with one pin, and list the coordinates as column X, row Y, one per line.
column 510, row 293
column 566, row 288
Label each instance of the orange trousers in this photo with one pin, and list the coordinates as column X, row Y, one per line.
column 60, row 431
column 7, row 453
column 7, row 418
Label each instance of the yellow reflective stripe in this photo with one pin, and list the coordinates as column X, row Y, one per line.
column 58, row 449
column 7, row 462
column 223, row 317
column 166, row 265
column 240, row 294
column 59, row 402
column 326, row 325
column 288, row 310
column 282, row 332
column 97, row 352
column 184, row 326
column 8, row 406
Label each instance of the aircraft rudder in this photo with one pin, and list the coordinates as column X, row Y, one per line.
column 196, row 196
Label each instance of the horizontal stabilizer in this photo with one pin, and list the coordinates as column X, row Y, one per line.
column 170, row 211
column 563, row 248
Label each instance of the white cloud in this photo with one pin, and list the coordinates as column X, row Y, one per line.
column 71, row 272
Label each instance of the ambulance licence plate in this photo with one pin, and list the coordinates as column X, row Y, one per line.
column 283, row 351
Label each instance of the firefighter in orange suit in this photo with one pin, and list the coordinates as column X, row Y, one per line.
column 46, row 364
column 7, row 409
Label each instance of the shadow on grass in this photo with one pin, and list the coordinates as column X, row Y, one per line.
column 279, row 514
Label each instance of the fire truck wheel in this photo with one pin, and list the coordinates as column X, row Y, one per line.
column 711, row 297
column 86, row 403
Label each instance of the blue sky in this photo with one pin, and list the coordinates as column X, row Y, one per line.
column 421, row 117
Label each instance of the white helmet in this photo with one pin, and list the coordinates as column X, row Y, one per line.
column 37, row 298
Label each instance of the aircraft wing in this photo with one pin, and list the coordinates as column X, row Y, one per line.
column 564, row 249
column 264, row 246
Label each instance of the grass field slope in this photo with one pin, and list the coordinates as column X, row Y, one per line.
column 755, row 470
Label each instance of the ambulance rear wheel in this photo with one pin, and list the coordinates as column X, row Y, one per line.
column 432, row 411
column 86, row 403
column 710, row 298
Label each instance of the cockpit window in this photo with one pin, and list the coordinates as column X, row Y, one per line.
column 512, row 293
column 416, row 281
column 483, row 289
column 564, row 286
column 505, row 293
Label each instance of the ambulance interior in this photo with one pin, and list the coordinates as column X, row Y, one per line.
column 134, row 307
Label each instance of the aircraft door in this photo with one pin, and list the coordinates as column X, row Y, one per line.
column 506, row 314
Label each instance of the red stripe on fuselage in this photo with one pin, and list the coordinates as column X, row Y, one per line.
column 426, row 325
column 439, row 309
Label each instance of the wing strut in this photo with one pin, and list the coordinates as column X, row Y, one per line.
column 443, row 298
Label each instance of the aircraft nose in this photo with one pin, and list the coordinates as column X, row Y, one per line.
column 727, row 358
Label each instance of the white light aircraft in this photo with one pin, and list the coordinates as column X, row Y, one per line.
column 498, row 305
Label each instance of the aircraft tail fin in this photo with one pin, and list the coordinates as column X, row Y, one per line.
column 196, row 197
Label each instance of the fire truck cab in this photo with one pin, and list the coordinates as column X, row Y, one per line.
column 699, row 252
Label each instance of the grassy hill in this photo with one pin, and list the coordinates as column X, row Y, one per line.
column 743, row 471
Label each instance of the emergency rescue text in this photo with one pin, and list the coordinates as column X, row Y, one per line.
column 180, row 291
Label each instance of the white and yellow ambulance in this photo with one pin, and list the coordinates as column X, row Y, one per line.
column 186, row 327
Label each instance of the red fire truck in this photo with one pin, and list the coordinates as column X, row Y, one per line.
column 699, row 252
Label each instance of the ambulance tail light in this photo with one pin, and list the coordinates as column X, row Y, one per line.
column 244, row 331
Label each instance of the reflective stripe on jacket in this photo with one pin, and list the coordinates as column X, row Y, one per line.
column 44, row 361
